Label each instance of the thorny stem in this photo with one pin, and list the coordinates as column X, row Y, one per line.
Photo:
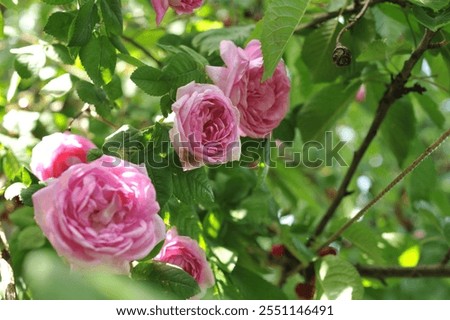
column 388, row 188
column 395, row 90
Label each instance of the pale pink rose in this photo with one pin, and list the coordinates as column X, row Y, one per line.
column 361, row 94
column 180, row 7
column 57, row 152
column 205, row 129
column 101, row 214
column 262, row 106
column 185, row 253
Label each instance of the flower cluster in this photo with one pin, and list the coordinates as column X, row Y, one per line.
column 210, row 118
column 104, row 214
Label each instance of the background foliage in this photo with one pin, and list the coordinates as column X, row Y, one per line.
column 94, row 66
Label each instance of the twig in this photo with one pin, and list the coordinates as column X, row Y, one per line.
column 353, row 21
column 78, row 115
column 399, row 178
column 321, row 18
column 446, row 258
column 399, row 272
column 142, row 48
column 394, row 91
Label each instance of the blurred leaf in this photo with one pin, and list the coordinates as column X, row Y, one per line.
column 208, row 42
column 171, row 279
column 399, row 129
column 365, row 239
column 193, row 186
column 57, row 2
column 112, row 15
column 22, row 217
column 2, row 24
column 99, row 59
column 422, row 181
column 11, row 166
column 58, row 25
column 89, row 93
column 27, row 193
column 410, row 257
column 323, row 109
column 31, row 238
column 317, row 52
column 94, row 154
column 432, row 20
column 29, row 60
column 280, row 20
column 338, row 279
column 432, row 110
column 436, row 5
column 82, row 27
column 252, row 287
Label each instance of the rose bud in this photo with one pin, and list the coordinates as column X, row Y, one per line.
column 185, row 253
column 305, row 291
column 361, row 94
column 180, row 7
column 100, row 214
column 278, row 250
column 262, row 106
column 327, row 251
column 205, row 129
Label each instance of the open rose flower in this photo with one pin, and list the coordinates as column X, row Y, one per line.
column 180, row 7
column 205, row 129
column 185, row 253
column 262, row 106
column 57, row 152
column 100, row 214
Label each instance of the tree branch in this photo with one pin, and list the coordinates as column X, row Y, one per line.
column 394, row 182
column 324, row 17
column 399, row 272
column 142, row 48
column 394, row 91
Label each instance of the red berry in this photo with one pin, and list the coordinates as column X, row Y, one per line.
column 278, row 250
column 305, row 291
column 327, row 251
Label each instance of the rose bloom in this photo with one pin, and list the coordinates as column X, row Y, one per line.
column 262, row 106
column 180, row 7
column 57, row 152
column 185, row 253
column 100, row 214
column 205, row 129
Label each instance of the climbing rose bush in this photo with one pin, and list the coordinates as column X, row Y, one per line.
column 262, row 106
column 180, row 7
column 100, row 214
column 205, row 129
column 57, row 152
column 185, row 252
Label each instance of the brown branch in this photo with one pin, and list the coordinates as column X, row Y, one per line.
column 394, row 182
column 324, row 17
column 142, row 48
column 399, row 272
column 394, row 91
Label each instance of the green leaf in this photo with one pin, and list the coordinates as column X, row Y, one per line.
column 366, row 240
column 182, row 69
column 114, row 88
column 280, row 20
column 208, row 42
column 2, row 24
column 99, row 59
column 94, row 154
column 423, row 180
column 436, row 5
column 166, row 103
column 83, row 25
column 171, row 279
column 192, row 187
column 398, row 129
column 112, row 15
column 432, row 20
column 89, row 93
column 253, row 287
column 151, row 81
column 432, row 110
column 11, row 167
column 186, row 219
column 57, row 2
column 323, row 109
column 31, row 238
column 58, row 25
column 26, row 194
column 22, row 217
column 126, row 143
column 317, row 52
column 338, row 279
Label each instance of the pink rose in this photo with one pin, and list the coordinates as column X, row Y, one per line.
column 57, row 152
column 185, row 252
column 180, row 7
column 205, row 129
column 262, row 105
column 100, row 214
